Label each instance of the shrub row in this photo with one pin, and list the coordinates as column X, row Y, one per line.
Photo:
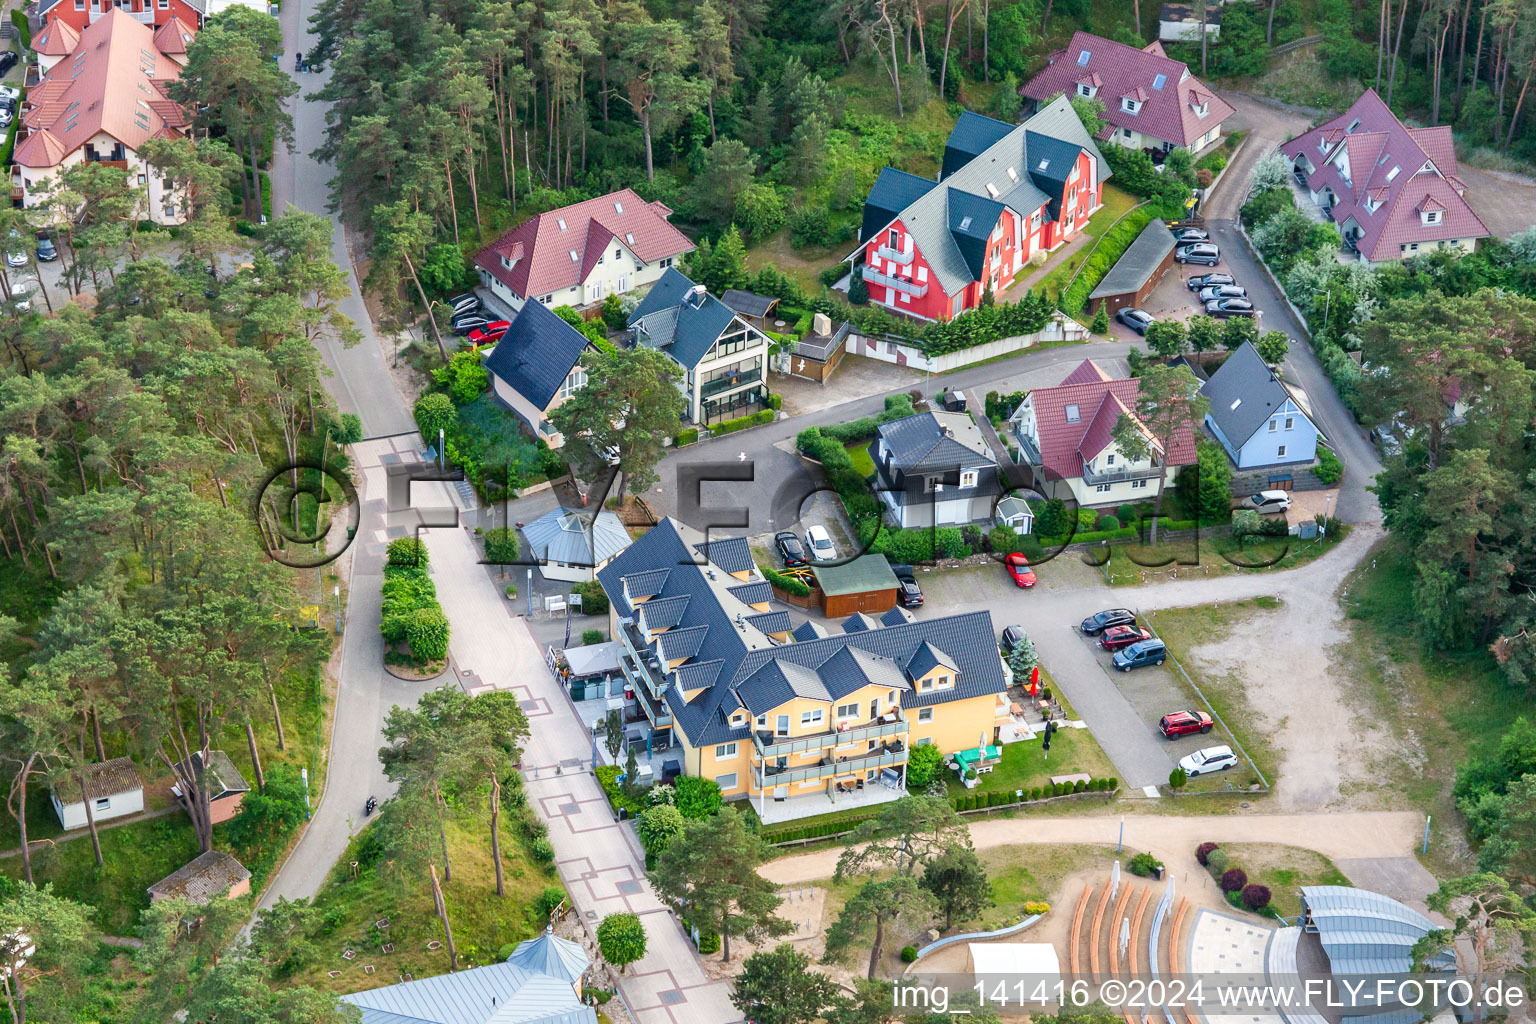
column 788, row 584
column 688, row 436
column 859, row 503
column 1329, row 469
column 773, row 836
column 410, row 612
column 1105, row 254
column 985, row 324
column 608, row 778
column 896, row 407
column 978, row 801
column 1240, row 892
column 757, row 419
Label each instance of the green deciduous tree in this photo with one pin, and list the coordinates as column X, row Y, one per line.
column 41, row 934
column 778, row 986
column 1168, row 404
column 658, row 826
column 621, row 937
column 1167, row 338
column 630, row 405
column 875, row 908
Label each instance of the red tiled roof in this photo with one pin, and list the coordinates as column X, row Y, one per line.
column 1168, row 113
column 1139, row 94
column 1092, row 78
column 1387, row 162
column 540, row 250
column 110, row 85
column 174, row 36
column 1100, row 401
column 56, row 38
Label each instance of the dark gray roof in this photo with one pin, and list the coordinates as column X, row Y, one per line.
column 1051, row 162
column 771, row 622
column 664, row 612
column 221, row 778
column 971, row 220
column 728, row 654
column 202, row 878
column 752, row 593
column 1244, row 393
column 971, row 136
column 537, row 353
column 893, row 192
column 682, row 323
column 934, row 441
column 926, row 658
column 809, row 631
column 896, row 616
column 858, row 622
column 733, row 554
column 576, row 537
column 1139, row 261
column 749, row 303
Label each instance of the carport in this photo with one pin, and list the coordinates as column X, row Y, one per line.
column 1136, row 272
column 865, row 584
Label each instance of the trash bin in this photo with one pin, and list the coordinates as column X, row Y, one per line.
column 623, row 813
column 1157, row 869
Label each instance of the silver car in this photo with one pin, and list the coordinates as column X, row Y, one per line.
column 1268, row 501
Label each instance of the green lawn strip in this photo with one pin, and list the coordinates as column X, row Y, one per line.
column 1284, row 869
column 1441, row 707
column 1183, row 629
column 1198, row 555
column 483, row 923
column 859, row 453
column 1025, row 765
column 1117, row 202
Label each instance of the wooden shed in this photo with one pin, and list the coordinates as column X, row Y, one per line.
column 1136, row 272
column 865, row 584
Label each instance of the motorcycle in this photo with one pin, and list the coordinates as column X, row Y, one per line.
column 369, row 806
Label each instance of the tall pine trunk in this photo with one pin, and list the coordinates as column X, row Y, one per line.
column 250, row 741
column 90, row 816
column 442, row 915
column 501, row 889
column 1397, row 46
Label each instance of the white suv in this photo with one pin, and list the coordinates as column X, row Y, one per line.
column 1268, row 501
column 1211, row 759
column 820, row 542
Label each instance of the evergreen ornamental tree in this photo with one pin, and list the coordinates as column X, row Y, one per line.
column 1022, row 659
column 712, row 868
column 958, row 883
column 906, row 834
column 877, row 907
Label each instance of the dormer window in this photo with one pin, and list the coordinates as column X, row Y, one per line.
column 1129, row 105
column 1431, row 216
column 1084, row 89
column 1202, row 109
column 968, row 478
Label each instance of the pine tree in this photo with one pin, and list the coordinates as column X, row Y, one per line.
column 728, row 267
column 1100, row 320
column 1022, row 658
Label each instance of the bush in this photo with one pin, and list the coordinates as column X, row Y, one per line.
column 1035, row 793
column 1235, row 899
column 426, row 631
column 594, row 600
column 409, row 552
column 465, row 377
column 547, row 902
column 1100, row 323
column 542, row 850
column 789, row 584
column 658, row 826
column 1329, row 469
column 923, row 763
column 909, row 954
column 502, row 546
column 687, row 436
column 1107, row 522
column 592, row 636
column 831, row 275
column 435, row 414
column 1203, row 852
column 1216, row 862
column 1233, row 879
column 1256, row 897
column 709, row 942
column 1143, row 864
column 1036, row 907
column 697, row 797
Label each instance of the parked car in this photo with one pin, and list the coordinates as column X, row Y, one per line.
column 1018, row 568
column 1207, row 253
column 7, row 61
column 11, row 93
column 908, row 592
column 463, row 303
column 16, row 251
column 1211, row 759
column 1223, row 308
column 1093, row 625
column 22, row 301
column 1387, row 438
column 1216, row 292
column 6, row 113
column 820, row 542
column 1184, row 236
column 1012, row 635
column 1116, row 637
column 1201, row 281
column 1267, row 501
column 790, row 548
column 1140, row 655
column 47, row 251
column 1137, row 320
column 489, row 333
column 1183, row 723
column 464, row 324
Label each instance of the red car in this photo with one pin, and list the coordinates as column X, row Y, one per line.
column 1116, row 637
column 1182, row 723
column 1018, row 568
column 490, row 332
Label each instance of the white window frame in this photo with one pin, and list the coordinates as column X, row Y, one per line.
column 968, row 478
column 1280, row 452
column 925, row 714
column 723, row 751
column 848, row 710
column 1274, row 424
column 812, row 718
column 1290, row 422
column 727, row 781
column 925, row 685
column 781, row 725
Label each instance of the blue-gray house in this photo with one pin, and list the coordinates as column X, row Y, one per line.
column 1255, row 416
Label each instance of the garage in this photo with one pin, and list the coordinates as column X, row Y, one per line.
column 1137, row 272
column 865, row 584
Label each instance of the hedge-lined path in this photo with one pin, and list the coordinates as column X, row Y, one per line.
column 1338, row 835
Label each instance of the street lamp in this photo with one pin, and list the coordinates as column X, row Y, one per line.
column 337, row 591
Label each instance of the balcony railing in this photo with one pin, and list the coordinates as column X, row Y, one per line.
column 826, row 768
column 768, row 746
column 655, row 708
column 743, row 379
column 1110, row 476
column 885, row 252
column 646, row 667
column 912, row 288
column 1027, row 446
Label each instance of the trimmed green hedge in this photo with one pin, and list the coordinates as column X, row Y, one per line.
column 1108, row 251
column 788, row 584
column 1329, row 469
column 688, row 436
column 757, row 419
column 896, row 407
column 775, row 836
column 1003, row 798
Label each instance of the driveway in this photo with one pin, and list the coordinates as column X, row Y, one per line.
column 1506, row 202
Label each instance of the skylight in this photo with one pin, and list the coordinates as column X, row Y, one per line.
column 1235, row 403
column 1393, row 172
column 618, row 207
column 991, row 190
column 1043, row 164
column 1159, row 82
column 574, row 257
column 965, row 223
column 1082, row 58
column 1074, row 415
column 629, row 237
column 560, row 221
column 1013, row 175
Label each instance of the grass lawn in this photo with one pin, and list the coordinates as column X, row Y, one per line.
column 485, row 926
column 1285, row 869
column 1026, row 765
column 1131, row 563
column 1441, row 707
column 1186, row 628
column 859, row 453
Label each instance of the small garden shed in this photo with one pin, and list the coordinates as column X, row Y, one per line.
column 1014, row 512
column 865, row 584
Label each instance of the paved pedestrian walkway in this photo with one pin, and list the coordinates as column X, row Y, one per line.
column 1015, row 291
column 599, row 860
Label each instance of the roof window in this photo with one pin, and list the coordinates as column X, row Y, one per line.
column 1159, row 82
column 574, row 257
column 1074, row 414
column 1235, row 403
column 965, row 223
column 991, row 190
column 1043, row 164
column 618, row 207
column 561, row 222
column 1393, row 172
column 1013, row 175
column 1082, row 58
column 629, row 237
